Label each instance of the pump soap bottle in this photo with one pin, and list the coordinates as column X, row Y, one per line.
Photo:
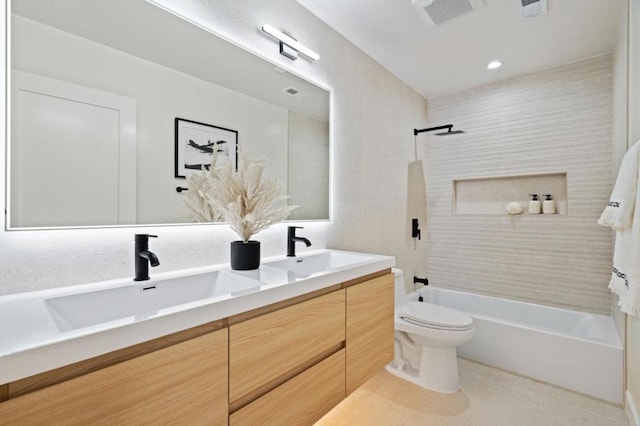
column 534, row 204
column 548, row 206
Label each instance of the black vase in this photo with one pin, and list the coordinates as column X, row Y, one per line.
column 245, row 256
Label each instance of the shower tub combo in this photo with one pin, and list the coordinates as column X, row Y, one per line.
column 575, row 350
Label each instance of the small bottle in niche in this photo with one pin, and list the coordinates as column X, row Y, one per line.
column 548, row 206
column 534, row 204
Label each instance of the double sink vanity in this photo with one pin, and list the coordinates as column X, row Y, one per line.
column 281, row 344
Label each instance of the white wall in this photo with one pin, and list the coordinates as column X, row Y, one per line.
column 634, row 71
column 161, row 94
column 633, row 323
column 374, row 114
column 554, row 121
column 620, row 138
column 620, row 125
column 308, row 159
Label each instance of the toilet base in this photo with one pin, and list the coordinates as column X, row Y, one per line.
column 438, row 370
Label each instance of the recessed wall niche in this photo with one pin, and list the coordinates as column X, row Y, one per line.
column 490, row 195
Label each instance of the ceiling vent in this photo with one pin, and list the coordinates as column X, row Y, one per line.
column 291, row 91
column 439, row 11
column 533, row 8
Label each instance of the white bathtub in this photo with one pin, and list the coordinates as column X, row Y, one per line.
column 575, row 350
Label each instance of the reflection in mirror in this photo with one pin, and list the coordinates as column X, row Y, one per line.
column 96, row 88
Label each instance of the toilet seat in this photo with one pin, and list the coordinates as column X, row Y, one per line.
column 435, row 316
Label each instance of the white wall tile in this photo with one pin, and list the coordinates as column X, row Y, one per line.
column 558, row 120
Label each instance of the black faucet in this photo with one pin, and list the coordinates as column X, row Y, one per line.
column 143, row 257
column 291, row 240
column 424, row 281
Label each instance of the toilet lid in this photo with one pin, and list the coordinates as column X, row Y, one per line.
column 435, row 316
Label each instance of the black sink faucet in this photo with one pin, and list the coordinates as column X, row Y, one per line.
column 143, row 257
column 291, row 240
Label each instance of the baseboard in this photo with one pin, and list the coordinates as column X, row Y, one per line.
column 632, row 411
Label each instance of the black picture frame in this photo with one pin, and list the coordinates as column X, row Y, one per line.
column 195, row 142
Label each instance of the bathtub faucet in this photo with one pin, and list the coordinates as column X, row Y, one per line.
column 424, row 281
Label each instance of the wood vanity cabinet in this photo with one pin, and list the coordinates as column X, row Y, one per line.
column 288, row 366
column 286, row 363
column 182, row 384
column 300, row 401
column 293, row 365
column 370, row 328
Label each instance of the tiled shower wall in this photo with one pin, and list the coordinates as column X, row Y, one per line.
column 553, row 121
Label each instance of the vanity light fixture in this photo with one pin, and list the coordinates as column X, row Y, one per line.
column 493, row 65
column 289, row 46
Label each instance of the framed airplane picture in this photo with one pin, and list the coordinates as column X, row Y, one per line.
column 196, row 143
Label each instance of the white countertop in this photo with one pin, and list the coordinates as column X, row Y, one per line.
column 31, row 341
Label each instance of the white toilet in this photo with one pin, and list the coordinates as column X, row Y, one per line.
column 426, row 336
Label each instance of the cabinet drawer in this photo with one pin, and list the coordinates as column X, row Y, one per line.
column 370, row 328
column 300, row 401
column 263, row 350
column 185, row 383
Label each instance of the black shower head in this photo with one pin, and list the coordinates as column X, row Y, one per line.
column 449, row 132
column 431, row 129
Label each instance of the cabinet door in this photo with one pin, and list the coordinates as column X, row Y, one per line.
column 370, row 326
column 265, row 349
column 300, row 401
column 183, row 384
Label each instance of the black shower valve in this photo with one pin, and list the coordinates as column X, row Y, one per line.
column 415, row 228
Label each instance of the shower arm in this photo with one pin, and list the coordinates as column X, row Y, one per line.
column 430, row 129
column 449, row 131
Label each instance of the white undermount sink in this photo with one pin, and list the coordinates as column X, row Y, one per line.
column 143, row 299
column 321, row 262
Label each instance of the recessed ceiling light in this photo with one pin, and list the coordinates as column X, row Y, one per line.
column 494, row 65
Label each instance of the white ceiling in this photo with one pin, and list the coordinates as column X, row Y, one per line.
column 435, row 60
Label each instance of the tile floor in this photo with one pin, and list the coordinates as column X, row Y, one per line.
column 489, row 397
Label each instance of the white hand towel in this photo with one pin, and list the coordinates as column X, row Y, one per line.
column 619, row 212
column 623, row 215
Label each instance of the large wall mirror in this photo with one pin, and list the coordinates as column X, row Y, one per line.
column 111, row 99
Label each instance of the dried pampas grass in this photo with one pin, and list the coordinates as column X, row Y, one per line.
column 245, row 199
